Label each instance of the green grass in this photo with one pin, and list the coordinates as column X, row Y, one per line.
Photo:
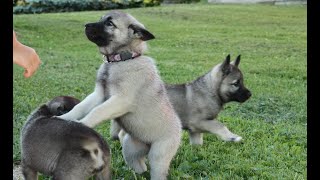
column 190, row 40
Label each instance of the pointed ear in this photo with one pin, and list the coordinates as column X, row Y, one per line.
column 141, row 33
column 225, row 68
column 237, row 61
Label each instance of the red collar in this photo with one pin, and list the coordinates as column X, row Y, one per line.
column 122, row 56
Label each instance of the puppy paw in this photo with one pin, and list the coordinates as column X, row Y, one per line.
column 196, row 142
column 234, row 138
column 73, row 120
column 140, row 168
column 196, row 138
column 63, row 117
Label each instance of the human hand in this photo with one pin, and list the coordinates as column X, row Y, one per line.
column 25, row 57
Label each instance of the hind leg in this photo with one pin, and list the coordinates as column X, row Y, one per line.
column 160, row 156
column 134, row 153
column 195, row 138
column 114, row 130
column 28, row 173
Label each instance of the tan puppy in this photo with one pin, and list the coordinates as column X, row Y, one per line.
column 129, row 89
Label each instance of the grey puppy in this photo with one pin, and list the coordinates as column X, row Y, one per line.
column 199, row 102
column 129, row 88
column 63, row 149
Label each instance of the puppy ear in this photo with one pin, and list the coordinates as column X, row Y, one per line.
column 141, row 33
column 43, row 110
column 237, row 61
column 60, row 110
column 225, row 66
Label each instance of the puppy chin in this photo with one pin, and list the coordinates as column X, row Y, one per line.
column 104, row 51
column 242, row 99
column 237, row 99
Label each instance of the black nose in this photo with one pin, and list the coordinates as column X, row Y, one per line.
column 89, row 25
column 91, row 30
column 249, row 94
column 93, row 25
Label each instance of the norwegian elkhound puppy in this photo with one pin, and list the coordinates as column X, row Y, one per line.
column 199, row 102
column 63, row 149
column 129, row 88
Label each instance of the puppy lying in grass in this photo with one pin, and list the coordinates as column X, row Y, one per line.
column 65, row 150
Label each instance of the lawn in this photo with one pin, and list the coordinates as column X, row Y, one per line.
column 190, row 40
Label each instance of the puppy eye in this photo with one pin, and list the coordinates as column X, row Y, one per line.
column 236, row 83
column 109, row 23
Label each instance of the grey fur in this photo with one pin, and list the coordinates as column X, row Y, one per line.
column 61, row 148
column 198, row 103
column 132, row 92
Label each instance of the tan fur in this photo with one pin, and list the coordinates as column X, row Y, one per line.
column 132, row 93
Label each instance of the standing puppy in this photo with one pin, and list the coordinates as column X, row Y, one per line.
column 63, row 149
column 129, row 89
column 198, row 103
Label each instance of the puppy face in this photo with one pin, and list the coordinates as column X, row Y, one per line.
column 117, row 31
column 232, row 85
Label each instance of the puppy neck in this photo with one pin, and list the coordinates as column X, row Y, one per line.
column 214, row 79
column 122, row 56
column 137, row 46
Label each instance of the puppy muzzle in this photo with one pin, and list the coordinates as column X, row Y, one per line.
column 96, row 170
column 95, row 33
column 244, row 96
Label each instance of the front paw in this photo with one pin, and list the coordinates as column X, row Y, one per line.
column 236, row 139
column 66, row 118
column 59, row 117
column 233, row 138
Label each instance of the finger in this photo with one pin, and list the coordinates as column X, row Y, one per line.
column 27, row 73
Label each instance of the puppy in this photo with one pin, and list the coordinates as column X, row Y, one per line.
column 129, row 89
column 198, row 103
column 62, row 149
